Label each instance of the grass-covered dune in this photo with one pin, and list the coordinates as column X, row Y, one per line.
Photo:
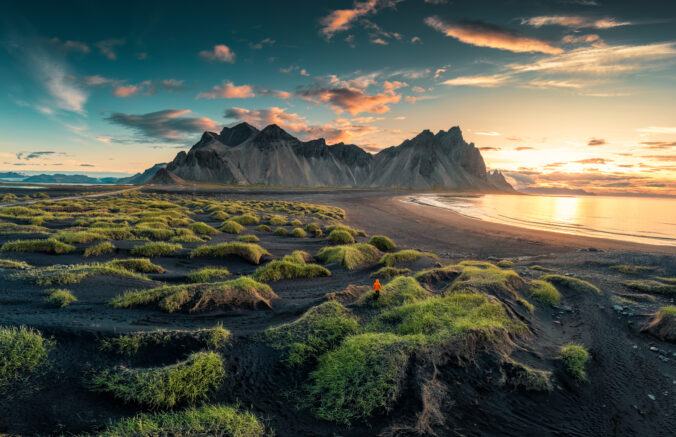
column 24, row 352
column 250, row 252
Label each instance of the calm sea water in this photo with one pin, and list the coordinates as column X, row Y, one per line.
column 639, row 219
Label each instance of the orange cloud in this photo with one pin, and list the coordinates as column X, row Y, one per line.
column 486, row 35
column 342, row 19
column 350, row 99
column 576, row 22
column 220, row 53
column 227, row 91
column 596, row 142
column 480, row 81
column 126, row 90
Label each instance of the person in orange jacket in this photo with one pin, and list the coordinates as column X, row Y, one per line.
column 376, row 288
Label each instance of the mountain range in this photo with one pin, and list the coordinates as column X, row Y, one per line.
column 245, row 155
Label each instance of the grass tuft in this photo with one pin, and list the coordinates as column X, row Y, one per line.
column 629, row 269
column 339, row 236
column 574, row 358
column 280, row 232
column 202, row 228
column 23, row 352
column 15, row 265
column 650, row 286
column 263, row 228
column 544, row 292
column 250, row 252
column 571, row 283
column 389, row 272
column 99, row 249
column 298, row 233
column 207, row 274
column 60, row 298
column 284, row 269
column 408, row 255
column 50, row 245
column 382, row 242
column 231, row 227
column 156, row 249
column 349, row 256
column 140, row 265
column 163, row 387
column 246, row 219
column 401, row 290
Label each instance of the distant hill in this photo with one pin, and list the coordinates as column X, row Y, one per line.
column 11, row 175
column 61, row 179
column 245, row 155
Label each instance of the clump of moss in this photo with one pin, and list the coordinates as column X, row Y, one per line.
column 263, row 228
column 382, row 242
column 481, row 277
column 246, row 219
column 317, row 331
column 99, row 249
column 60, row 298
column 521, row 376
column 231, row 227
column 201, row 421
column 156, row 249
column 349, row 256
column 208, row 274
column 544, row 292
column 250, row 252
column 505, row 263
column 403, row 256
column 11, row 264
column 50, row 245
column 650, row 286
column 188, row 239
column 352, row 231
column 339, row 236
column 574, row 358
column 140, row 265
column 362, row 376
column 295, row 223
column 23, row 353
column 298, row 233
column 280, row 232
column 80, row 237
column 629, row 269
column 202, row 228
column 389, row 272
column 401, row 290
column 540, row 268
column 163, row 387
column 249, row 238
column 571, row 283
column 277, row 220
column 236, row 293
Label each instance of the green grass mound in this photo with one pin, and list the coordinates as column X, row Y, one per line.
column 23, row 353
column 202, row 228
column 153, row 233
column 438, row 274
column 650, row 286
column 505, row 263
column 189, row 239
column 349, row 256
column 298, row 257
column 663, row 324
column 60, row 298
column 249, row 252
column 242, row 292
column 574, row 358
column 277, row 220
column 163, row 387
column 156, row 249
column 382, row 242
column 231, row 227
column 540, row 268
column 280, row 232
column 129, row 344
column 545, row 293
column 99, row 249
column 219, row 215
column 281, row 269
column 50, row 245
column 401, row 290
column 295, row 223
column 389, row 272
column 80, row 237
column 246, row 219
column 14, row 265
column 629, row 269
column 74, row 274
column 319, row 330
column 207, row 420
column 441, row 318
column 207, row 274
column 403, row 256
column 666, row 280
column 352, row 231
column 140, row 265
column 571, row 283
column 485, row 277
column 364, row 375
column 249, row 238
column 263, row 228
column 298, row 233
column 339, row 236
column 521, row 376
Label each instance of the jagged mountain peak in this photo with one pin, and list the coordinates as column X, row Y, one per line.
column 236, row 135
column 274, row 132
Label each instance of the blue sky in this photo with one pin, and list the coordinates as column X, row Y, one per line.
column 574, row 93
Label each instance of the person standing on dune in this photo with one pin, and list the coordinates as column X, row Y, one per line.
column 376, row 288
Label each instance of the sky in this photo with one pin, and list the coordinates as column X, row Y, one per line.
column 556, row 93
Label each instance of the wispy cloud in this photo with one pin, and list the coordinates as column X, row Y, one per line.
column 479, row 81
column 70, row 46
column 658, row 130
column 659, row 144
column 219, row 53
column 168, row 125
column 262, row 43
column 351, row 95
column 596, row 142
column 574, row 21
column 227, row 91
column 107, row 47
column 342, row 19
column 126, row 91
column 483, row 34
